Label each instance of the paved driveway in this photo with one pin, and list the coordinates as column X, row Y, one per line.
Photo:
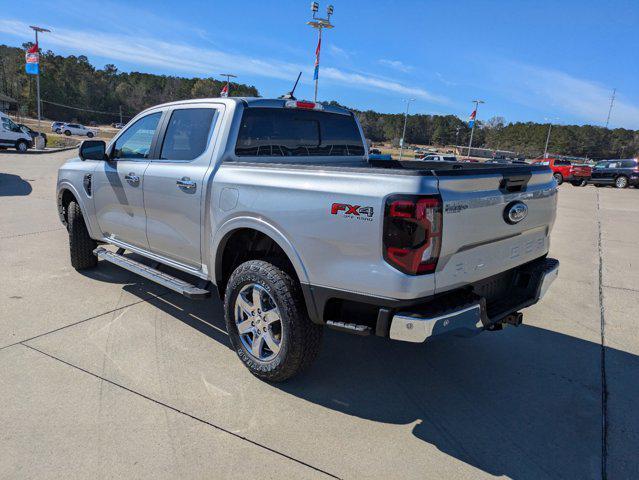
column 105, row 375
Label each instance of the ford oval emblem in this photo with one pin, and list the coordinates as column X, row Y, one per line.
column 515, row 212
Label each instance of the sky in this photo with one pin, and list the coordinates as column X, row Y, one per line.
column 543, row 61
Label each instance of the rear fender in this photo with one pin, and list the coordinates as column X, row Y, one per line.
column 261, row 225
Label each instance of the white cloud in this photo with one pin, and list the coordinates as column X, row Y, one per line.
column 375, row 83
column 339, row 52
column 153, row 52
column 395, row 65
column 561, row 93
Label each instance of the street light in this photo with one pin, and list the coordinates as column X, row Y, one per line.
column 472, row 128
column 38, row 30
column 548, row 136
column 228, row 81
column 401, row 140
column 319, row 24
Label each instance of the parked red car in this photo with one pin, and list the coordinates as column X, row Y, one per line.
column 564, row 171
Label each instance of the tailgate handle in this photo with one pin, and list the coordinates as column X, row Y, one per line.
column 513, row 183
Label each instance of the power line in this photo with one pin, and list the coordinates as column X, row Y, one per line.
column 86, row 109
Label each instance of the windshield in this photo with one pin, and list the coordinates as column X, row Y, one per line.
column 284, row 132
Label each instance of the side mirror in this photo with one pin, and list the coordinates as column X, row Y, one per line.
column 93, row 150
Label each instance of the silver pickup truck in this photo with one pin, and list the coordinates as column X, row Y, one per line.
column 275, row 205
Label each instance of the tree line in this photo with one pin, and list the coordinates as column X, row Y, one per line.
column 73, row 81
column 524, row 138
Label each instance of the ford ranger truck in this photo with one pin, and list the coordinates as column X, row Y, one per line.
column 276, row 207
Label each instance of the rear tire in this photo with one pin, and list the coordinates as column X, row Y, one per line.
column 559, row 178
column 281, row 317
column 579, row 183
column 81, row 245
column 621, row 182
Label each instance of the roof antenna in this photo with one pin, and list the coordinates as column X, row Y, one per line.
column 290, row 95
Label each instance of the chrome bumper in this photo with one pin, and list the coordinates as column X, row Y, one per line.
column 465, row 321
column 547, row 279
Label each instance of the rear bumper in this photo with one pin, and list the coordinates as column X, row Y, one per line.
column 475, row 312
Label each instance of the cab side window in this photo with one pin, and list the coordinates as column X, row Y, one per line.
column 136, row 141
column 187, row 133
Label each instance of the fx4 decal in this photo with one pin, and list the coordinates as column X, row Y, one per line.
column 352, row 211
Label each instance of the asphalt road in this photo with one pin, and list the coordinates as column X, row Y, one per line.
column 105, row 375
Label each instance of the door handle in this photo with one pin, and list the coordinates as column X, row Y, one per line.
column 132, row 178
column 186, row 183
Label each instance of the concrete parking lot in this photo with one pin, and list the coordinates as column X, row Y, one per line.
column 105, row 375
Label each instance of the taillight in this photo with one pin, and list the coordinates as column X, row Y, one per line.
column 413, row 233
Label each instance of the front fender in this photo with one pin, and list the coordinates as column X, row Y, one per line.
column 86, row 205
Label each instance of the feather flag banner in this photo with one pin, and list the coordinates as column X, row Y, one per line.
column 32, row 57
column 471, row 119
column 317, row 59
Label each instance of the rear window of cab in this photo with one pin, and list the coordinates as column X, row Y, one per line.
column 285, row 132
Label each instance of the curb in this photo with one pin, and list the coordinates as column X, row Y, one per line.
column 52, row 150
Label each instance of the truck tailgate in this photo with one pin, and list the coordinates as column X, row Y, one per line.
column 478, row 238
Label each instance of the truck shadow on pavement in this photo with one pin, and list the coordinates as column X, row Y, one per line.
column 524, row 402
column 13, row 185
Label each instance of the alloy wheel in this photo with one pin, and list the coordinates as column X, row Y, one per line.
column 258, row 322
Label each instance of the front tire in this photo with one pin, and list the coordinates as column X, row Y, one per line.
column 621, row 182
column 81, row 245
column 559, row 178
column 67, row 133
column 268, row 323
column 90, row 135
column 22, row 146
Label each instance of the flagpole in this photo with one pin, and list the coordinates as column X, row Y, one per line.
column 38, row 29
column 319, row 24
column 319, row 42
column 472, row 129
column 38, row 84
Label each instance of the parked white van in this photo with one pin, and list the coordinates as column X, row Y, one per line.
column 12, row 136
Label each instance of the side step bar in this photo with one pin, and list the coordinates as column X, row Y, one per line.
column 349, row 327
column 164, row 279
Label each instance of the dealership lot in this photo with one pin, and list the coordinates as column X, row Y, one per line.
column 103, row 374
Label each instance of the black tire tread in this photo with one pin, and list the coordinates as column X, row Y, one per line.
column 304, row 336
column 81, row 245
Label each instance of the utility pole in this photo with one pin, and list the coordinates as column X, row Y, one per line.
column 36, row 30
column 547, row 140
column 472, row 128
column 228, row 81
column 612, row 101
column 401, row 141
column 319, row 24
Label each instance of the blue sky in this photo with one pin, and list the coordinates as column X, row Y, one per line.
column 529, row 60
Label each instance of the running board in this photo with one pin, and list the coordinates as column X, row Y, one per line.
column 161, row 278
column 349, row 327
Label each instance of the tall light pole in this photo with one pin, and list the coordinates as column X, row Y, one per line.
column 547, row 140
column 319, row 24
column 401, row 141
column 228, row 81
column 548, row 136
column 472, row 128
column 38, row 30
column 612, row 101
